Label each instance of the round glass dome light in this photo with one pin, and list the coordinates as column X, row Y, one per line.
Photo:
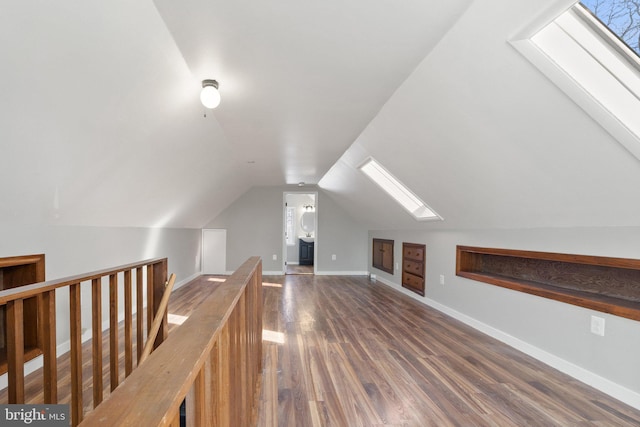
column 210, row 97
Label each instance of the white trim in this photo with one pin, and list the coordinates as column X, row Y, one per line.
column 342, row 273
column 185, row 281
column 599, row 100
column 316, row 200
column 272, row 273
column 397, row 190
column 605, row 385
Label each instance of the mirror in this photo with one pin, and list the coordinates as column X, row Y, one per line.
column 308, row 222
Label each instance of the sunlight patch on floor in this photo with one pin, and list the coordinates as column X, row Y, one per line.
column 271, row 285
column 272, row 336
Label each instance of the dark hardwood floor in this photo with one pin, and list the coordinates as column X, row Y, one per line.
column 349, row 352
column 345, row 351
column 299, row 269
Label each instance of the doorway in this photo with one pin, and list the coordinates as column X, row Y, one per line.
column 214, row 251
column 300, row 232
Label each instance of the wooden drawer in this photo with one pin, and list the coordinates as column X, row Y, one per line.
column 413, row 262
column 414, row 252
column 415, row 283
column 413, row 267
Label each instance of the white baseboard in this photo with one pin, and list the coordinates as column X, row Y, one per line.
column 342, row 273
column 183, row 282
column 606, row 386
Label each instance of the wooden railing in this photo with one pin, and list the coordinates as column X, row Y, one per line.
column 45, row 293
column 213, row 361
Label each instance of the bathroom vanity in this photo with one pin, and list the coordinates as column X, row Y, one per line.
column 306, row 251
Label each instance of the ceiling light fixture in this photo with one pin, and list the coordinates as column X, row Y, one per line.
column 210, row 97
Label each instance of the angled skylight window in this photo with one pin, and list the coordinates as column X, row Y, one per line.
column 620, row 17
column 400, row 193
column 598, row 69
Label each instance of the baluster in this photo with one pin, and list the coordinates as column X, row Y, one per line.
column 128, row 318
column 150, row 298
column 242, row 381
column 49, row 359
column 15, row 350
column 96, row 323
column 76, row 353
column 113, row 330
column 139, row 313
column 199, row 400
column 224, row 375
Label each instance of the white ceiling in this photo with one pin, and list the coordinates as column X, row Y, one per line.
column 100, row 121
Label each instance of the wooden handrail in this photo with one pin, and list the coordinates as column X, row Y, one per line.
column 213, row 359
column 45, row 294
column 35, row 289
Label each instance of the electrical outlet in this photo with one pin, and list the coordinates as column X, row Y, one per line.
column 597, row 325
column 397, row 266
column 333, row 257
column 442, row 279
column 275, row 257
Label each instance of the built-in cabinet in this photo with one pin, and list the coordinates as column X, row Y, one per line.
column 306, row 252
column 14, row 272
column 382, row 256
column 413, row 267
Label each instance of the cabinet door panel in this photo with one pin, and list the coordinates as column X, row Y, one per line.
column 382, row 256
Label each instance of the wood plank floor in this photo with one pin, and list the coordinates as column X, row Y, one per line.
column 182, row 303
column 349, row 352
column 299, row 269
column 344, row 351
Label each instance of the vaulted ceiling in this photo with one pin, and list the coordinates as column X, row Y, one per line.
column 100, row 121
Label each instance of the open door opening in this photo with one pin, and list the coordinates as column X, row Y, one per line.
column 300, row 232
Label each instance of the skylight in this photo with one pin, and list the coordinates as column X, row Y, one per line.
column 593, row 66
column 621, row 17
column 400, row 193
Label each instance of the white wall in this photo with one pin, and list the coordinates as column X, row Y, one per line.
column 545, row 328
column 254, row 224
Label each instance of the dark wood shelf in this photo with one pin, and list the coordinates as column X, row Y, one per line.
column 30, row 352
column 15, row 272
column 609, row 285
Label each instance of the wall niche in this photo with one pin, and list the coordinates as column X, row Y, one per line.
column 15, row 272
column 609, row 285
